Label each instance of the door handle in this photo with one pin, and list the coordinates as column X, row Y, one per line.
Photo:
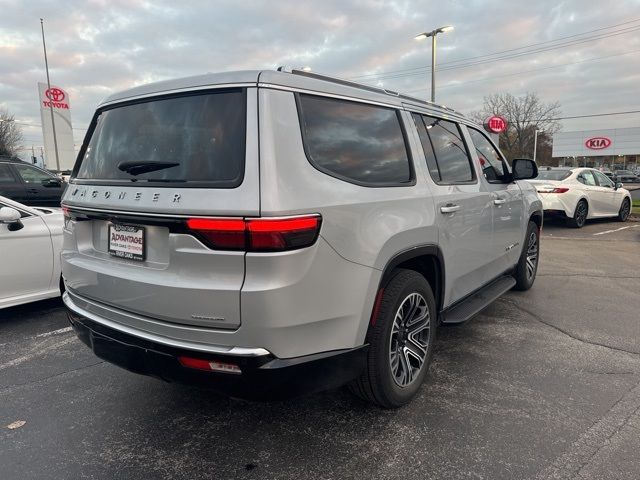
column 32, row 190
column 449, row 208
column 499, row 201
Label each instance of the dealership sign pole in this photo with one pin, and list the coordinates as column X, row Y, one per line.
column 53, row 123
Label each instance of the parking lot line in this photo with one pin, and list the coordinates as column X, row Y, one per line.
column 54, row 332
column 36, row 352
column 616, row 230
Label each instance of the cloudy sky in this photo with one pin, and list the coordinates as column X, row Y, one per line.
column 586, row 52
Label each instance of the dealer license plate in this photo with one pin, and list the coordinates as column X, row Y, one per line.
column 127, row 241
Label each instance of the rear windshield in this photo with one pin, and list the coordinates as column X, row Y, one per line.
column 196, row 140
column 553, row 174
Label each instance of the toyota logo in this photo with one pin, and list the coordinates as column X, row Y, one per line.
column 54, row 94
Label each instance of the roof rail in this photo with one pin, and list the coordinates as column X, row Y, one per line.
column 339, row 81
column 349, row 83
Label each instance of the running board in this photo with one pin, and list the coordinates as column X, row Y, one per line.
column 476, row 302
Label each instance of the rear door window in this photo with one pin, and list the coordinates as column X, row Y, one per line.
column 446, row 154
column 587, row 178
column 427, row 147
column 5, row 174
column 191, row 140
column 355, row 142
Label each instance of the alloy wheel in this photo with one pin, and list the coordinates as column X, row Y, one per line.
column 581, row 213
column 532, row 255
column 625, row 210
column 409, row 341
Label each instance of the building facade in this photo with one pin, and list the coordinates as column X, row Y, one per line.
column 614, row 149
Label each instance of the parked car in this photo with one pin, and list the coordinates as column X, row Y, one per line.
column 29, row 184
column 626, row 176
column 321, row 248
column 30, row 244
column 609, row 174
column 580, row 194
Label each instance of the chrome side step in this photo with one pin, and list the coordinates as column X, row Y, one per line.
column 478, row 301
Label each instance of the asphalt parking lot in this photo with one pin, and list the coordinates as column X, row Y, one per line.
column 543, row 384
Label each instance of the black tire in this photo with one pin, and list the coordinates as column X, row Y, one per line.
column 525, row 273
column 625, row 210
column 579, row 215
column 379, row 383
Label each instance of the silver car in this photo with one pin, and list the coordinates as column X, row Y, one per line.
column 270, row 233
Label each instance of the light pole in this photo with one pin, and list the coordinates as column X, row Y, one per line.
column 535, row 144
column 53, row 122
column 432, row 34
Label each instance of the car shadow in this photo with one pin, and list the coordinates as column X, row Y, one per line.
column 31, row 311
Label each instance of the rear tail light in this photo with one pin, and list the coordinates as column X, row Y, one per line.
column 209, row 365
column 220, row 233
column 257, row 234
column 555, row 190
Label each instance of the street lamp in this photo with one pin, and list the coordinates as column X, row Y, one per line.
column 432, row 34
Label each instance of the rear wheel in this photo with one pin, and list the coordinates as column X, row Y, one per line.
column 400, row 342
column 580, row 215
column 625, row 210
column 527, row 267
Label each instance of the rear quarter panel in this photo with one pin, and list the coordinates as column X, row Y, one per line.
column 364, row 225
column 532, row 202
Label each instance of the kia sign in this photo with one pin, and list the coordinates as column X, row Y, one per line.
column 597, row 143
column 495, row 124
column 56, row 99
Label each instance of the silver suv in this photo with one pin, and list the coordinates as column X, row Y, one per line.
column 269, row 233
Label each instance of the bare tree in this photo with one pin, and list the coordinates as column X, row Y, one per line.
column 10, row 134
column 524, row 116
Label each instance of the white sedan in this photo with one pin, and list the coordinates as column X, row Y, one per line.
column 580, row 194
column 30, row 244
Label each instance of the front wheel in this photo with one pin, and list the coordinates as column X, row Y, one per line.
column 625, row 210
column 527, row 267
column 400, row 342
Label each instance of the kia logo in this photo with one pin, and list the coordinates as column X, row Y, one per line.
column 597, row 143
column 54, row 94
column 495, row 124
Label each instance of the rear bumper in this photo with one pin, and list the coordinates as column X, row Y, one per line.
column 552, row 203
column 262, row 377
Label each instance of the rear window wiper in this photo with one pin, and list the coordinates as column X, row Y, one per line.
column 164, row 180
column 136, row 168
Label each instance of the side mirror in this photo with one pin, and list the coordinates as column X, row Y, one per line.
column 524, row 169
column 619, row 185
column 10, row 217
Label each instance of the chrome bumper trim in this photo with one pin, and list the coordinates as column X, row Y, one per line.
column 234, row 351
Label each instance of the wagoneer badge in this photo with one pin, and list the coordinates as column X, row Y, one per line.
column 80, row 192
